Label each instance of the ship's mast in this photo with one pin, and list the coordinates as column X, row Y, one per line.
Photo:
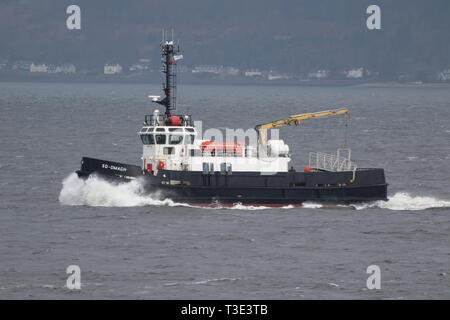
column 169, row 56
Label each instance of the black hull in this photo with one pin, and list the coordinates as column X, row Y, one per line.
column 274, row 196
column 249, row 188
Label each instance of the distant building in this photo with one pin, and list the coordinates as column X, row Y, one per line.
column 51, row 68
column 319, row 74
column 230, row 71
column 38, row 68
column 355, row 73
column 21, row 65
column 276, row 76
column 253, row 73
column 112, row 69
column 211, row 69
column 67, row 68
column 138, row 67
column 142, row 65
column 444, row 75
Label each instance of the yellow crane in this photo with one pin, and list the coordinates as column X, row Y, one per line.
column 295, row 120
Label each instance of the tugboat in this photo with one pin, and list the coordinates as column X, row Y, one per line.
column 176, row 164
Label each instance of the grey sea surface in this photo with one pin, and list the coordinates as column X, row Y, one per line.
column 130, row 246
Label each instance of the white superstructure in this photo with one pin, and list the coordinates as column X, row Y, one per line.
column 176, row 147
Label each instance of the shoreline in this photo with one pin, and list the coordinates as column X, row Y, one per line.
column 193, row 80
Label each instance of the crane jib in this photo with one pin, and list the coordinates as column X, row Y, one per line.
column 296, row 120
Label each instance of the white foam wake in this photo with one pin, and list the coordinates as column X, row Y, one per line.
column 407, row 202
column 399, row 201
column 97, row 192
column 312, row 205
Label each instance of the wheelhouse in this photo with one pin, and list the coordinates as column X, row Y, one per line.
column 167, row 135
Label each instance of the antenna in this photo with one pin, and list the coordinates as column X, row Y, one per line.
column 169, row 57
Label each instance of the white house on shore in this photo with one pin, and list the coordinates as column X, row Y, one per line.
column 319, row 74
column 21, row 65
column 277, row 76
column 230, row 71
column 444, row 75
column 67, row 68
column 253, row 73
column 212, row 69
column 355, row 73
column 112, row 69
column 38, row 67
column 140, row 66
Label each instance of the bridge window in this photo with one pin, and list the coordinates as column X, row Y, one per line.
column 190, row 139
column 147, row 139
column 160, row 138
column 175, row 139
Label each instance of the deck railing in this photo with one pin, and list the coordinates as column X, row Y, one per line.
column 331, row 162
column 153, row 120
